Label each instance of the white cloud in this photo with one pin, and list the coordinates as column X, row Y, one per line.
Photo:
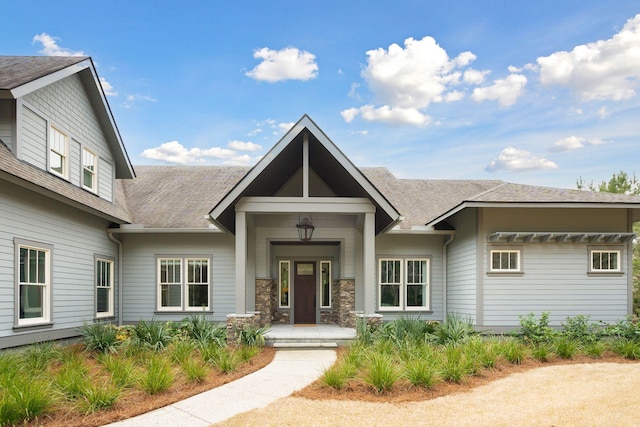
column 605, row 69
column 387, row 114
column 284, row 127
column 519, row 160
column 360, row 132
column 474, row 77
column 242, row 160
column 567, row 144
column 603, row 113
column 506, row 91
column 574, row 142
column 244, row 146
column 514, row 69
column 413, row 76
column 174, row 152
column 132, row 99
column 286, row 64
column 107, row 88
column 50, row 46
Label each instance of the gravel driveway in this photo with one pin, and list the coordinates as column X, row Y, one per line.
column 597, row 394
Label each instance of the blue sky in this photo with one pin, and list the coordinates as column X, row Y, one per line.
column 537, row 92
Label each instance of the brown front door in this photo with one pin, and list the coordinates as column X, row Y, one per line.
column 304, row 300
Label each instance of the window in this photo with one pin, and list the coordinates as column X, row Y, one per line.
column 325, row 284
column 89, row 170
column 58, row 152
column 284, row 279
column 404, row 284
column 34, row 285
column 605, row 260
column 183, row 288
column 104, row 288
column 503, row 260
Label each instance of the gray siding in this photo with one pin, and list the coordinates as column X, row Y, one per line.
column 7, row 120
column 418, row 246
column 75, row 236
column 139, row 271
column 555, row 275
column 105, row 179
column 461, row 266
column 66, row 105
column 34, row 138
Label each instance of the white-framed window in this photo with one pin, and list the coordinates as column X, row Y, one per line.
column 34, row 284
column 606, row 261
column 325, row 284
column 89, row 170
column 404, row 283
column 284, row 282
column 183, row 284
column 505, row 260
column 58, row 152
column 104, row 288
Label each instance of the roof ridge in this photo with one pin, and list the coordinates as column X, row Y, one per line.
column 485, row 192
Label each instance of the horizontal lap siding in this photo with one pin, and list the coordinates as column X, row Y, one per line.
column 76, row 237
column 139, row 271
column 461, row 266
column 390, row 245
column 555, row 277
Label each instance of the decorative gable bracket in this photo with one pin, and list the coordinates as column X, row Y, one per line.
column 559, row 237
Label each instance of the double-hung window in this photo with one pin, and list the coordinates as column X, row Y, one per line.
column 58, row 152
column 505, row 261
column 89, row 164
column 404, row 283
column 605, row 261
column 34, row 285
column 104, row 288
column 183, row 284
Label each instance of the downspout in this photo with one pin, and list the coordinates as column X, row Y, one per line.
column 119, row 243
column 444, row 274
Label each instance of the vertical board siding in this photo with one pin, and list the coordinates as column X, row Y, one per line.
column 7, row 119
column 67, row 105
column 76, row 237
column 34, row 139
column 420, row 246
column 139, row 271
column 461, row 266
column 555, row 276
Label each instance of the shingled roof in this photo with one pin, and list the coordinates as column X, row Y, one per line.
column 34, row 178
column 181, row 196
column 16, row 71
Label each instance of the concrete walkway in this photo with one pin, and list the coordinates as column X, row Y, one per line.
column 289, row 371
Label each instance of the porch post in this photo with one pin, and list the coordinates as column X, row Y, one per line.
column 241, row 261
column 369, row 263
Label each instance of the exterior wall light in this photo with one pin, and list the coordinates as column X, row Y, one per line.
column 305, row 228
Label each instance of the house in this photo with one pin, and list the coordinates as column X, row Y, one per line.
column 303, row 237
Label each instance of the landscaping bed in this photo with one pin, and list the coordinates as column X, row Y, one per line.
column 117, row 373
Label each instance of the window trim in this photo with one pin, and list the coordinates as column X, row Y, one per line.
column 64, row 156
column 183, row 283
column 111, row 295
column 280, row 287
column 330, row 291
column 47, row 309
column 94, row 172
column 608, row 250
column 505, row 249
column 402, row 301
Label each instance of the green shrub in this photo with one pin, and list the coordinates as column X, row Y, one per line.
column 203, row 330
column 366, row 332
column 158, row 376
column 581, row 328
column 626, row 348
column 565, row 347
column 100, row 337
column 454, row 364
column 98, row 396
column 407, row 329
column 72, row 380
column 39, row 356
column 595, row 349
column 628, row 328
column 25, row 399
column 454, row 330
column 194, row 369
column 181, row 349
column 382, row 373
column 421, row 374
column 514, row 351
column 227, row 361
column 541, row 352
column 338, row 375
column 247, row 352
column 534, row 330
column 153, row 333
column 252, row 335
column 121, row 368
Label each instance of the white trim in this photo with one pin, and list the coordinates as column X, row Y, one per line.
column 187, row 284
column 110, row 287
column 310, row 204
column 322, row 285
column 426, row 284
column 400, row 305
column 46, row 286
column 280, row 264
column 503, row 251
column 64, row 156
column 84, row 150
column 608, row 252
column 183, row 283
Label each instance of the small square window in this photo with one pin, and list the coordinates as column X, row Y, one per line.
column 605, row 261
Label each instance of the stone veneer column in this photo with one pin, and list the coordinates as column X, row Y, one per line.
column 239, row 321
column 347, row 302
column 264, row 300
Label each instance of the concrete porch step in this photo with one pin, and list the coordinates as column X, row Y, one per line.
column 314, row 336
column 305, row 345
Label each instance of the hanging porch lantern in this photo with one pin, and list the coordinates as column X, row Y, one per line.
column 305, row 228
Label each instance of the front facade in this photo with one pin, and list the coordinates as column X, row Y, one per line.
column 85, row 239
